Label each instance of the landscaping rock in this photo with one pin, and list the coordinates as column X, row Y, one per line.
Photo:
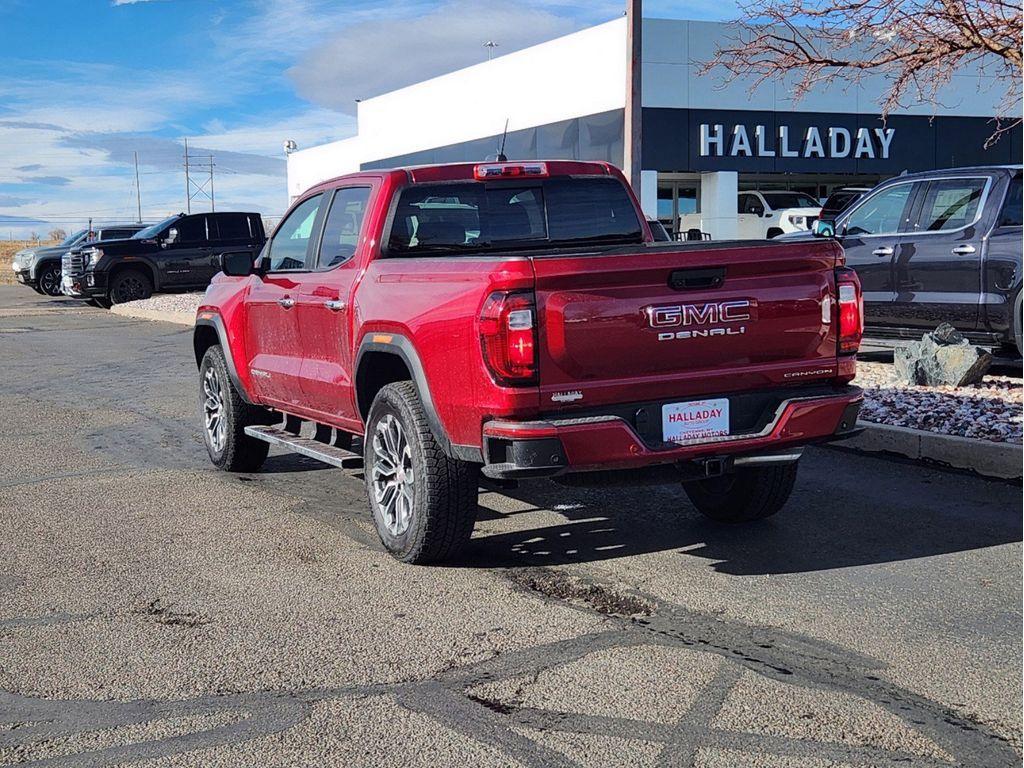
column 942, row 357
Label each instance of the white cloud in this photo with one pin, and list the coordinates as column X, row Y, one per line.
column 374, row 56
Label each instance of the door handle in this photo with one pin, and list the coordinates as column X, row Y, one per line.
column 885, row 250
column 286, row 302
column 335, row 304
column 964, row 250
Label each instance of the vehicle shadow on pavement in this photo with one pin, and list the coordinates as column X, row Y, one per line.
column 875, row 511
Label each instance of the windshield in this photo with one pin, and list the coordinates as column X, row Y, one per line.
column 155, row 229
column 840, row 200
column 475, row 216
column 790, row 200
column 74, row 238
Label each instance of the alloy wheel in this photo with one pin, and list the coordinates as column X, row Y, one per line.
column 49, row 282
column 213, row 410
column 392, row 475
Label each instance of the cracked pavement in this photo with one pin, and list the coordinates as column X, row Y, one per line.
column 156, row 612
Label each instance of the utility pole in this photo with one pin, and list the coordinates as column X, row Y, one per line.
column 138, row 192
column 212, row 206
column 188, row 183
column 490, row 45
column 634, row 105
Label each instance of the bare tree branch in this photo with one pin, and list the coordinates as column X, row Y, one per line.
column 917, row 45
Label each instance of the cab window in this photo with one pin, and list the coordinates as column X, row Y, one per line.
column 1012, row 215
column 344, row 223
column 287, row 251
column 881, row 213
column 949, row 204
column 191, row 229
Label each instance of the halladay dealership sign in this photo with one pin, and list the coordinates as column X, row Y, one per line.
column 831, row 142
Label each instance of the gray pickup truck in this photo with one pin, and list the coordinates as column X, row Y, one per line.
column 940, row 246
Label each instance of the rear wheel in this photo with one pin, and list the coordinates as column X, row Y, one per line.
column 49, row 280
column 747, row 494
column 423, row 502
column 130, row 285
column 225, row 417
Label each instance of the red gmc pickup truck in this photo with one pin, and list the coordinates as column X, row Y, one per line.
column 515, row 320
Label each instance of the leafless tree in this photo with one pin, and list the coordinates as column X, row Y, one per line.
column 918, row 45
column 57, row 234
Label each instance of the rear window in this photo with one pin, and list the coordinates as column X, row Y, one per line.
column 475, row 216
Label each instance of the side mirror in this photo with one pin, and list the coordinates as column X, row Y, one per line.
column 824, row 228
column 172, row 236
column 238, row 264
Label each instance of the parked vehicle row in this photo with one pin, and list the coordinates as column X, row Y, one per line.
column 519, row 320
column 767, row 214
column 182, row 252
column 40, row 268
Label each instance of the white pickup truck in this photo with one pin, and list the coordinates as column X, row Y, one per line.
column 766, row 214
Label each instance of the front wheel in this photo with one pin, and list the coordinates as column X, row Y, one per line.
column 130, row 285
column 745, row 495
column 49, row 280
column 423, row 501
column 225, row 417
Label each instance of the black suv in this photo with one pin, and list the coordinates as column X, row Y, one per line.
column 180, row 253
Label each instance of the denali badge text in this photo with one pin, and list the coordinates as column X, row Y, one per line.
column 701, row 319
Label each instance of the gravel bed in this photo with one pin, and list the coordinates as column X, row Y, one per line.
column 991, row 410
column 171, row 302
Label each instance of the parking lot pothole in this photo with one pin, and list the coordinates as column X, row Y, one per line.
column 166, row 615
column 561, row 586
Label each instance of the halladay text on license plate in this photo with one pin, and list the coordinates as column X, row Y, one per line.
column 695, row 419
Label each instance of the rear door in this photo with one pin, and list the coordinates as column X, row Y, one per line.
column 872, row 237
column 324, row 308
column 272, row 335
column 679, row 321
column 937, row 270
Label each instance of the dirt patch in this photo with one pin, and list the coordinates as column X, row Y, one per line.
column 597, row 597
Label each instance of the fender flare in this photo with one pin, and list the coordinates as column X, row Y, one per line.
column 135, row 261
column 400, row 346
column 215, row 322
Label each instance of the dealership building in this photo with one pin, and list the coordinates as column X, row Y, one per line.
column 702, row 141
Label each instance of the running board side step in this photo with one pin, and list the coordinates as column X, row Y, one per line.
column 307, row 446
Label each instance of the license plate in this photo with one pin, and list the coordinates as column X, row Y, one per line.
column 695, row 420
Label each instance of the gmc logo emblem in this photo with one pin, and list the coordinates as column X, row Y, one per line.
column 678, row 315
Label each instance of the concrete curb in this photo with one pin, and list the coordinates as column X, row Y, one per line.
column 999, row 460
column 165, row 316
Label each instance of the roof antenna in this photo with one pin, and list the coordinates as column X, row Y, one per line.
column 500, row 157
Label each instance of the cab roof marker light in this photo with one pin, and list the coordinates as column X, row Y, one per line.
column 509, row 170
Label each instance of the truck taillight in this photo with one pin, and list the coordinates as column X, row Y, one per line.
column 508, row 337
column 851, row 311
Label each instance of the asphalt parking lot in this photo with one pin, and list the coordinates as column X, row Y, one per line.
column 154, row 611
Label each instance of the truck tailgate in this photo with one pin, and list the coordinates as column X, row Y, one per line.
column 684, row 321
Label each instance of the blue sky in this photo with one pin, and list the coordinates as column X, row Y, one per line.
column 84, row 83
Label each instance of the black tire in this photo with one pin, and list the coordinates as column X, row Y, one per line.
column 441, row 498
column 773, row 232
column 49, row 280
column 130, row 285
column 745, row 495
column 237, row 452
